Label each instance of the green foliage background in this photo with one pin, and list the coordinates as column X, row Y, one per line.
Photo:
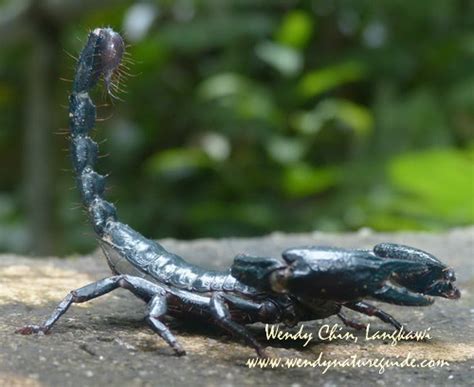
column 243, row 117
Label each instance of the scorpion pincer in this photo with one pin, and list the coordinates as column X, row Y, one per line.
column 308, row 283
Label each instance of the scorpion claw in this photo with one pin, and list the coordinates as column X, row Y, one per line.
column 401, row 296
column 436, row 279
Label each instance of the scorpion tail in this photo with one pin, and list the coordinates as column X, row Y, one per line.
column 122, row 245
column 82, row 114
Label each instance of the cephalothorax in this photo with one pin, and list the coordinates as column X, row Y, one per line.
column 309, row 283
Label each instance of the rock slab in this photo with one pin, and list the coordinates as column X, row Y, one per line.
column 106, row 342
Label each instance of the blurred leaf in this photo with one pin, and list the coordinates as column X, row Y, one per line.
column 296, row 29
column 138, row 19
column 467, row 42
column 244, row 97
column 285, row 150
column 217, row 30
column 322, row 80
column 286, row 60
column 437, row 182
column 148, row 55
column 355, row 116
column 391, row 222
column 461, row 96
column 7, row 206
column 256, row 104
column 254, row 214
column 302, row 179
column 177, row 162
column 358, row 118
column 5, row 94
column 222, row 85
column 215, row 145
column 308, row 122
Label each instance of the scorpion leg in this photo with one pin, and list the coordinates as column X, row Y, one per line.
column 264, row 311
column 220, row 312
column 371, row 310
column 351, row 323
column 157, row 308
column 138, row 286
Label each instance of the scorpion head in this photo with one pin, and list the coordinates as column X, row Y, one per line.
column 255, row 271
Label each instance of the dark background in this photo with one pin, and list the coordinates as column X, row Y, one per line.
column 241, row 117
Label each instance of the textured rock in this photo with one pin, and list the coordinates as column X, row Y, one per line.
column 106, row 341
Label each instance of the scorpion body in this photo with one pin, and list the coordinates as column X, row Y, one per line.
column 310, row 283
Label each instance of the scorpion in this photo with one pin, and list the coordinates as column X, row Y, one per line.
column 308, row 283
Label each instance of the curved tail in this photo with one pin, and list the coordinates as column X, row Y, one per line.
column 82, row 115
column 99, row 58
column 127, row 251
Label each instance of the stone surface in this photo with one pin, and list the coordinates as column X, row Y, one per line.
column 106, row 342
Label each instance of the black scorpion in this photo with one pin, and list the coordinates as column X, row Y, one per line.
column 310, row 283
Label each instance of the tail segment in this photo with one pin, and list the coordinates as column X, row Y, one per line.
column 82, row 114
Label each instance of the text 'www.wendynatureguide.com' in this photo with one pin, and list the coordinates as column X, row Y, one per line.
column 352, row 362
